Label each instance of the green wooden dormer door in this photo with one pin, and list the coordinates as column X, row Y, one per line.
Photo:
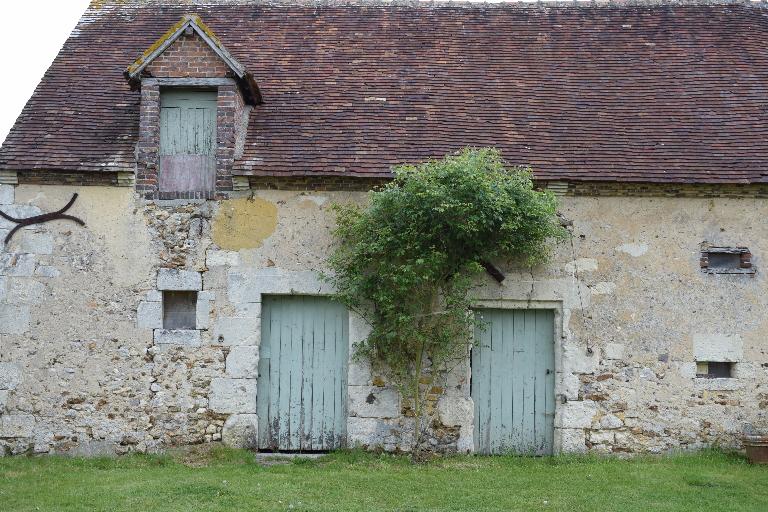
column 187, row 140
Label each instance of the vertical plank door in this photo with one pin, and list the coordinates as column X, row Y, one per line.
column 187, row 140
column 513, row 381
column 302, row 387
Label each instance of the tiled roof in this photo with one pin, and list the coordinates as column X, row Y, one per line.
column 654, row 93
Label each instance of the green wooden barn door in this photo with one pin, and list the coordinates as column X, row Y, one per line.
column 302, row 387
column 513, row 381
column 187, row 140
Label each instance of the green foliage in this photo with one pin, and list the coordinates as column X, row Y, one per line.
column 408, row 260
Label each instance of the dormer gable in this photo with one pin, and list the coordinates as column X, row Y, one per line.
column 195, row 105
column 190, row 49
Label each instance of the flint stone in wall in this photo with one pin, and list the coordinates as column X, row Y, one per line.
column 10, row 375
column 6, row 194
column 175, row 279
column 243, row 362
column 14, row 319
column 16, row 425
column 17, row 265
column 241, row 431
column 4, row 394
column 455, row 410
column 3, row 286
column 188, row 338
column 575, row 414
column 233, row 396
column 149, row 315
column 373, row 402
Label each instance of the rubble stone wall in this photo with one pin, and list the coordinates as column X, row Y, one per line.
column 86, row 368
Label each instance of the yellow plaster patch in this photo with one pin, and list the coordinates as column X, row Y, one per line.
column 244, row 223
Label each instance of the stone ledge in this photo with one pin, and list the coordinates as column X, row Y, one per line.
column 179, row 280
column 189, row 338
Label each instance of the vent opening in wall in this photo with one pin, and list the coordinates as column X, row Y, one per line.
column 714, row 369
column 726, row 260
column 179, row 309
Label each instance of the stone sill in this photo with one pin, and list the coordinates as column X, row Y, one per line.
column 717, row 384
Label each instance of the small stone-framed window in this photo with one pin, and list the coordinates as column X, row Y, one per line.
column 179, row 309
column 714, row 369
column 726, row 260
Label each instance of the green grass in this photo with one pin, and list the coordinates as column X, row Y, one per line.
column 230, row 480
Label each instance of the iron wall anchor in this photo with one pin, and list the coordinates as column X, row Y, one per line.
column 39, row 219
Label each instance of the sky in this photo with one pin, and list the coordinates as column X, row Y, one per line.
column 33, row 32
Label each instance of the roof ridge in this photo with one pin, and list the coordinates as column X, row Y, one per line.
column 97, row 5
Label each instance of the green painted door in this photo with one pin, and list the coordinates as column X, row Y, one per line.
column 302, row 387
column 187, row 140
column 513, row 381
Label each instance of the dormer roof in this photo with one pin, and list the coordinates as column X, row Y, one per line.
column 192, row 22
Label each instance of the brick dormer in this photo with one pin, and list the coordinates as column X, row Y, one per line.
column 195, row 103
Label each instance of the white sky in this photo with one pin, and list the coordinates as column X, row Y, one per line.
column 33, row 32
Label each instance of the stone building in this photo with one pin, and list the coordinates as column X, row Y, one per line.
column 207, row 141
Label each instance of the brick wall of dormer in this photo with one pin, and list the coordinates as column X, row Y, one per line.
column 188, row 57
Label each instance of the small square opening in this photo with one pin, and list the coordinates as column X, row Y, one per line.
column 179, row 310
column 714, row 369
column 724, row 260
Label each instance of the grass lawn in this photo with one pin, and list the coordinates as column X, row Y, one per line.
column 230, row 480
